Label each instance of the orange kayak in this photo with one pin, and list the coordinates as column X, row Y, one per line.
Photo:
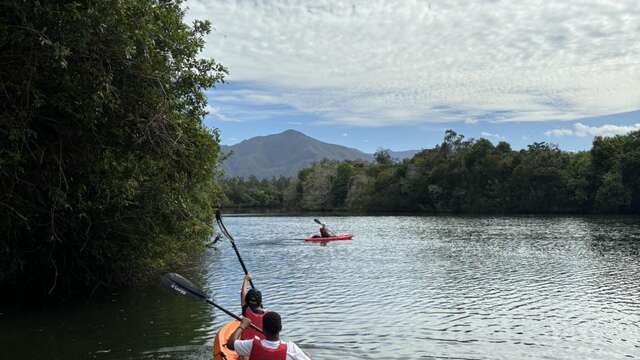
column 220, row 351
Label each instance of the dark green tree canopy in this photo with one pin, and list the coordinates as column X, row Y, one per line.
column 106, row 168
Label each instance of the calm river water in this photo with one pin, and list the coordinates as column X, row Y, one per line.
column 404, row 288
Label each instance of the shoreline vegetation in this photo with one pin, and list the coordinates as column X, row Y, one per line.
column 459, row 176
column 106, row 167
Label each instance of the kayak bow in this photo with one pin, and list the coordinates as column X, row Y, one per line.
column 220, row 350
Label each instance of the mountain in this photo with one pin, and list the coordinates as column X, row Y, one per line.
column 400, row 155
column 285, row 154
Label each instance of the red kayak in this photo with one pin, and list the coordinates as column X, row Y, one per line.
column 332, row 238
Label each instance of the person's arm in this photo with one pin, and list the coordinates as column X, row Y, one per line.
column 296, row 352
column 244, row 289
column 329, row 232
column 237, row 332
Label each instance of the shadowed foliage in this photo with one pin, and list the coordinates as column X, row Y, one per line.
column 106, row 168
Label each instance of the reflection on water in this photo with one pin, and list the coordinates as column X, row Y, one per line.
column 405, row 287
column 138, row 324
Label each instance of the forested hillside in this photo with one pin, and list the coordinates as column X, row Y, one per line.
column 465, row 176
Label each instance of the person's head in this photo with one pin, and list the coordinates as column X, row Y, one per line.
column 271, row 324
column 253, row 299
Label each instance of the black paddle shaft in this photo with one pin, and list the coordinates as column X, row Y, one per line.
column 208, row 301
column 241, row 262
column 184, row 287
column 233, row 244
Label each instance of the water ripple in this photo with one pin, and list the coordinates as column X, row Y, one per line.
column 404, row 288
column 446, row 287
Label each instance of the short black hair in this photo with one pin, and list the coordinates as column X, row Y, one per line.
column 253, row 298
column 271, row 323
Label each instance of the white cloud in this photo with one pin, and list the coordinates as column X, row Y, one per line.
column 490, row 135
column 559, row 132
column 244, row 96
column 378, row 63
column 217, row 114
column 345, row 134
column 582, row 130
column 470, row 121
column 604, row 130
column 233, row 106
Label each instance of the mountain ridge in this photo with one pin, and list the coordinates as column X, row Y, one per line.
column 286, row 153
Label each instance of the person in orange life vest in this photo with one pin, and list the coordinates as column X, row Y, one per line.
column 251, row 302
column 270, row 348
column 324, row 231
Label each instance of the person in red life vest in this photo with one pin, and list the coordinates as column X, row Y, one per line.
column 270, row 348
column 251, row 302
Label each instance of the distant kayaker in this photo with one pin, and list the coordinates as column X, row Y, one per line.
column 251, row 302
column 270, row 348
column 324, row 231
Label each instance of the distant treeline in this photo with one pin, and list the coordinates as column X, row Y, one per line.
column 462, row 176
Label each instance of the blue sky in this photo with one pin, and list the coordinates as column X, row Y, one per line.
column 379, row 74
column 245, row 118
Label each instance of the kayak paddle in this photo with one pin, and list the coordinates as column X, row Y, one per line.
column 184, row 287
column 233, row 243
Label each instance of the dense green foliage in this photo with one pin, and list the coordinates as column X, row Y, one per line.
column 254, row 194
column 106, row 168
column 476, row 176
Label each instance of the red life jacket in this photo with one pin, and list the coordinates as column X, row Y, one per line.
column 256, row 319
column 260, row 352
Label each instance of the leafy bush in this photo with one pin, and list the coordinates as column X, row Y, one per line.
column 106, row 168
